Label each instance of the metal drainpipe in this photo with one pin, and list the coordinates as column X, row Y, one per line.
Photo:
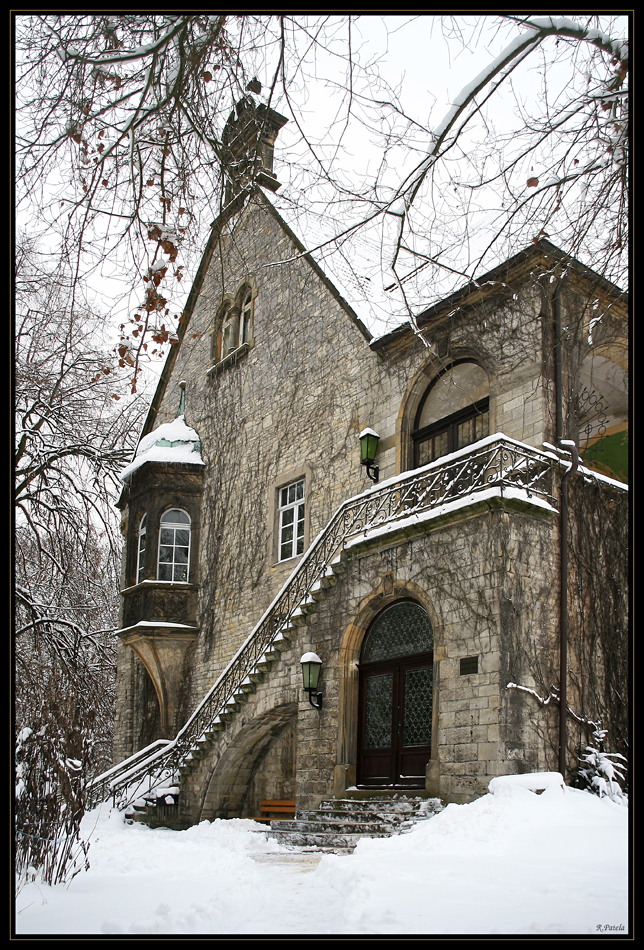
column 563, row 570
column 563, row 620
column 559, row 434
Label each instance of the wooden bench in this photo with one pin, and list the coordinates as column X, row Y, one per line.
column 280, row 806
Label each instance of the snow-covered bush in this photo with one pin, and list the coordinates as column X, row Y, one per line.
column 49, row 806
column 599, row 773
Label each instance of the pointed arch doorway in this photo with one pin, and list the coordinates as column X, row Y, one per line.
column 396, row 698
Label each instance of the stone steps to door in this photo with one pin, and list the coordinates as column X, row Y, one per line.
column 370, row 826
column 338, row 824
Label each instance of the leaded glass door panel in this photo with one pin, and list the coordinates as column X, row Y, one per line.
column 378, row 726
column 396, row 698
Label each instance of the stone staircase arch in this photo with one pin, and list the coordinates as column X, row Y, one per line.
column 222, row 782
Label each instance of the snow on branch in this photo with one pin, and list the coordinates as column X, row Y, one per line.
column 553, row 696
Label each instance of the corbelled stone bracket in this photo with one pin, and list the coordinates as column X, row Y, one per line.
column 161, row 648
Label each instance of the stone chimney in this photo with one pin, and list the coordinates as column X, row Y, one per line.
column 248, row 140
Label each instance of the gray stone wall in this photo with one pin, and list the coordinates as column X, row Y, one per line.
column 296, row 401
column 489, row 586
column 290, row 405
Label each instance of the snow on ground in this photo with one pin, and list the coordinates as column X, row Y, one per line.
column 512, row 862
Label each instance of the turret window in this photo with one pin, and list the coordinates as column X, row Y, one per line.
column 174, row 546
column 140, row 558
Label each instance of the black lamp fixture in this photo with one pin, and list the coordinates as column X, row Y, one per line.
column 368, row 448
column 311, row 666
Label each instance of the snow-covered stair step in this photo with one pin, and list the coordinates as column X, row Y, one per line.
column 338, row 565
column 309, row 606
column 313, row 825
column 280, row 642
column 339, row 824
column 298, row 618
column 319, row 590
column 322, row 840
column 330, row 576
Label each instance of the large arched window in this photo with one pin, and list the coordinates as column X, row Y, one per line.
column 174, row 546
column 453, row 413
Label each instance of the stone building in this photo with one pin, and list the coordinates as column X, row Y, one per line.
column 253, row 535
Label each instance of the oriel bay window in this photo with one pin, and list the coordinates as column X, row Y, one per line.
column 453, row 413
column 291, row 520
column 174, row 546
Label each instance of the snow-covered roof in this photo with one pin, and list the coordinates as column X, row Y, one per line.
column 357, row 265
column 171, row 442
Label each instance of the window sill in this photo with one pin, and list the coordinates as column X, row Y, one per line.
column 155, row 583
column 230, row 359
column 289, row 562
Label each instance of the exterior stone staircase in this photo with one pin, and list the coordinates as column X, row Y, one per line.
column 338, row 824
column 495, row 464
column 159, row 806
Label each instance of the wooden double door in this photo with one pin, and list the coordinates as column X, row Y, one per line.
column 396, row 701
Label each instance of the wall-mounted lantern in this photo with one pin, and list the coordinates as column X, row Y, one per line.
column 368, row 448
column 311, row 666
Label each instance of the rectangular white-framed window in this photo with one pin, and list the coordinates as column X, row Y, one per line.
column 292, row 514
column 140, row 559
column 174, row 546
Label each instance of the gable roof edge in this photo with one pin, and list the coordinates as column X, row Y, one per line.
column 215, row 231
column 353, row 316
column 541, row 247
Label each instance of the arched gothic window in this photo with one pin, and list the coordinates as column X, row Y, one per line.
column 235, row 319
column 174, row 546
column 229, row 332
column 453, row 413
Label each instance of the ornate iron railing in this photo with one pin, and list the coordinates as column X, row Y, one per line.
column 494, row 467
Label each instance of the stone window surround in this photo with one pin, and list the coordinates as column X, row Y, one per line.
column 154, row 509
column 292, row 510
column 284, row 479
